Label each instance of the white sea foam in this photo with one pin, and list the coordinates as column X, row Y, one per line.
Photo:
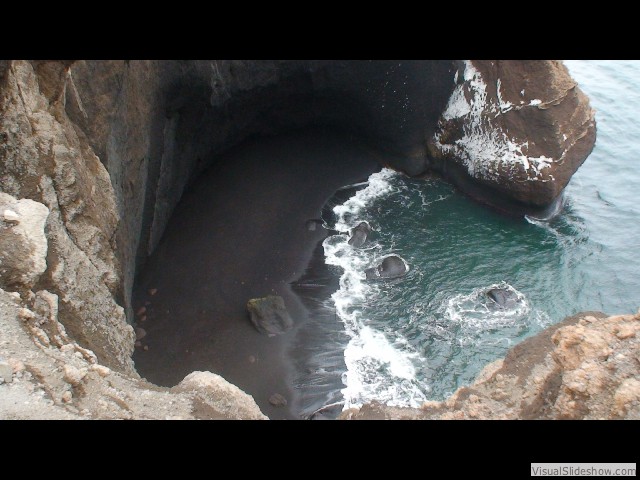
column 377, row 367
column 378, row 185
column 475, row 311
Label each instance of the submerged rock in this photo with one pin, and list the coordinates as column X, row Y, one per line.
column 503, row 297
column 269, row 315
column 359, row 234
column 391, row 267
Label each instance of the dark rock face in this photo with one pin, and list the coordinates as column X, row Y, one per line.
column 185, row 112
column 359, row 234
column 502, row 297
column 269, row 315
column 391, row 267
column 513, row 131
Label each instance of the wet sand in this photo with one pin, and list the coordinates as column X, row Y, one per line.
column 241, row 232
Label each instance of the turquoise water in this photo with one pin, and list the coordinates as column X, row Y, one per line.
column 423, row 336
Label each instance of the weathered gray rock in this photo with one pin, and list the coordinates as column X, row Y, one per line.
column 502, row 297
column 391, row 267
column 359, row 234
column 78, row 388
column 46, row 158
column 269, row 315
column 6, row 372
column 23, row 244
column 73, row 375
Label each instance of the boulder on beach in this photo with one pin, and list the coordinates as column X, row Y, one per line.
column 277, row 400
column 391, row 267
column 269, row 315
column 359, row 234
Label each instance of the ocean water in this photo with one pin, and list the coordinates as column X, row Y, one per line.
column 422, row 336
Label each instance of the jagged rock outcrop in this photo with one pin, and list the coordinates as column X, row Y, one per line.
column 521, row 129
column 216, row 396
column 586, row 367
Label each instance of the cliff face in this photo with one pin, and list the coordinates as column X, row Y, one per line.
column 46, row 158
column 586, row 367
column 105, row 149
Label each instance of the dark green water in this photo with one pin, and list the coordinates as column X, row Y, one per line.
column 423, row 336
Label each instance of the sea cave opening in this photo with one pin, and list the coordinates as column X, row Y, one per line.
column 238, row 193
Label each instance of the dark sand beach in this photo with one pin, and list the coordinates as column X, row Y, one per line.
column 241, row 232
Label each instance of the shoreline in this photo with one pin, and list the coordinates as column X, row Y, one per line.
column 211, row 261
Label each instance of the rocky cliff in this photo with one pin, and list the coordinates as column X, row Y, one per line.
column 45, row 374
column 586, row 367
column 95, row 155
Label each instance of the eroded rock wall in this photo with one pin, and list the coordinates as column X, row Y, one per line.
column 156, row 124
column 109, row 146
